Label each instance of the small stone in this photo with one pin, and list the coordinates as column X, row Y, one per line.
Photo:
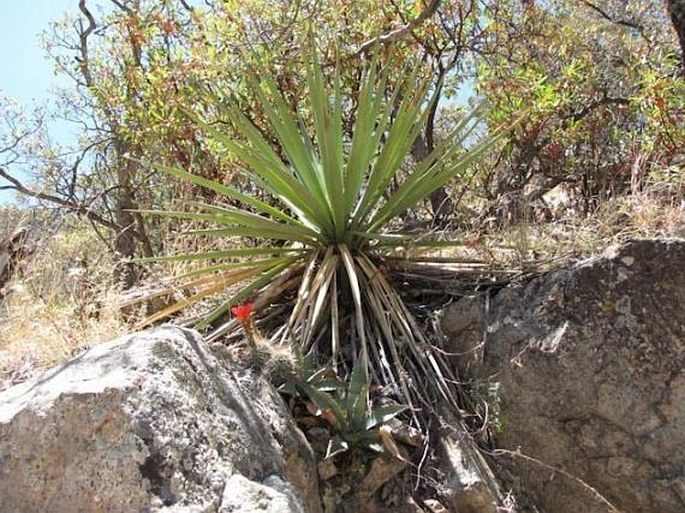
column 628, row 260
column 383, row 469
column 435, row 506
column 327, row 469
column 405, row 434
column 318, row 435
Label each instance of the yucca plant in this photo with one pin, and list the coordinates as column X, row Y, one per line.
column 330, row 214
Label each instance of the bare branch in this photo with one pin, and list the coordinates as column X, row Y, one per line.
column 577, row 116
column 83, row 37
column 122, row 6
column 187, row 7
column 69, row 205
column 402, row 32
column 617, row 21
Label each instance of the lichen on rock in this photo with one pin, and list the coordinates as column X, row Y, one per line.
column 590, row 365
column 150, row 422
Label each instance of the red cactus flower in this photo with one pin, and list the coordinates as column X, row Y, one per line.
column 244, row 315
column 243, row 312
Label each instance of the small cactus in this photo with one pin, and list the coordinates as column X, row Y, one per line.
column 279, row 363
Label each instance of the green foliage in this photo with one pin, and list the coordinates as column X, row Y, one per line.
column 306, row 372
column 135, row 76
column 606, row 104
column 329, row 207
column 133, row 70
column 345, row 406
column 332, row 192
column 347, row 409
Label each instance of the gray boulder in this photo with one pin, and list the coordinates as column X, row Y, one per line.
column 152, row 422
column 588, row 362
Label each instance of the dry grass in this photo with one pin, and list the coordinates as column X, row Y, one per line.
column 656, row 212
column 63, row 299
column 58, row 303
column 617, row 220
column 164, row 283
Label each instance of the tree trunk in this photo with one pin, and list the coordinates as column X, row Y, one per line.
column 131, row 232
column 124, row 239
column 129, row 227
column 441, row 204
column 677, row 10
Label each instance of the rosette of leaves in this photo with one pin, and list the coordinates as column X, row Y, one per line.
column 346, row 408
column 327, row 219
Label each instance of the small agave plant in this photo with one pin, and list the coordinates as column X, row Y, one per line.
column 347, row 409
column 326, row 228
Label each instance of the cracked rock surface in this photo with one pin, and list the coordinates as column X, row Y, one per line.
column 589, row 364
column 152, row 422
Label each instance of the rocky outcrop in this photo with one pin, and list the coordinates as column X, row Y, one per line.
column 588, row 362
column 586, row 390
column 152, row 422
